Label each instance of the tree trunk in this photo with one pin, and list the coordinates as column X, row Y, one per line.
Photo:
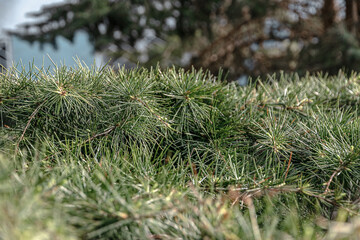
column 328, row 14
column 352, row 15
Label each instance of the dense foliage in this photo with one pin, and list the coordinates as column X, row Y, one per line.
column 166, row 154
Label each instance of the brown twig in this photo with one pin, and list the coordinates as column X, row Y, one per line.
column 331, row 178
column 334, row 203
column 106, row 132
column 237, row 195
column 288, row 167
column 27, row 126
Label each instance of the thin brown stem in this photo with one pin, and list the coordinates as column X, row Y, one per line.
column 105, row 133
column 331, row 179
column 27, row 126
column 288, row 167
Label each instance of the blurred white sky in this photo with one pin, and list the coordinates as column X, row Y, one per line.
column 13, row 12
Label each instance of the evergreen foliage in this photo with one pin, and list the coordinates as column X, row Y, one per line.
column 166, row 154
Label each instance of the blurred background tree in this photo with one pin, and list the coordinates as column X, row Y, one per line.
column 244, row 37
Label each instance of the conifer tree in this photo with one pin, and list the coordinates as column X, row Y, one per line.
column 252, row 37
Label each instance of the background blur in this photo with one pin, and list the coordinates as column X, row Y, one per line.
column 244, row 37
column 13, row 14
